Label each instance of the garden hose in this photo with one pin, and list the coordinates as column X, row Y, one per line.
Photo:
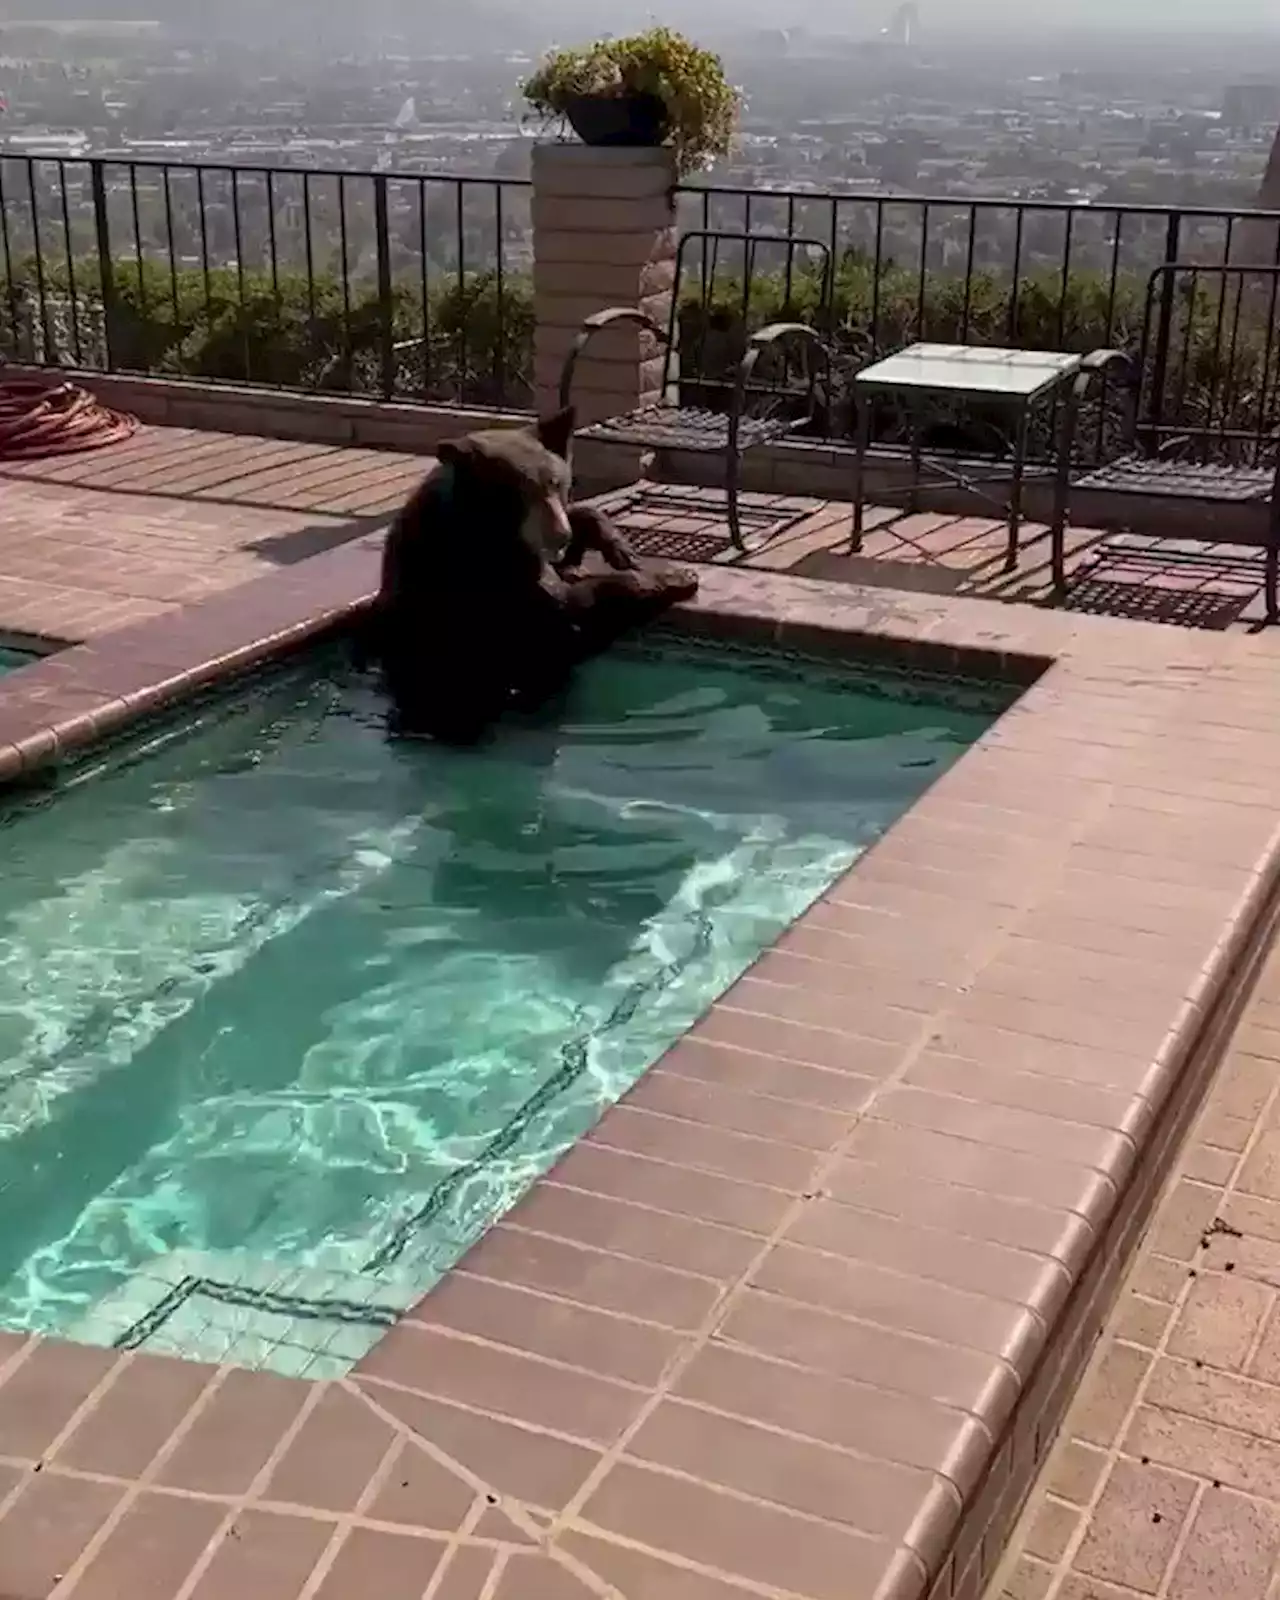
column 39, row 419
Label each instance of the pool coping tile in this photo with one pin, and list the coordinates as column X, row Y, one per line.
column 880, row 1198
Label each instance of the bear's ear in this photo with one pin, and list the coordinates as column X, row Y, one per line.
column 555, row 433
column 454, row 451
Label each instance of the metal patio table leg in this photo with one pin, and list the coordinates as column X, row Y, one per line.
column 917, row 455
column 1012, row 550
column 1095, row 366
column 1062, row 485
column 924, row 374
column 862, row 413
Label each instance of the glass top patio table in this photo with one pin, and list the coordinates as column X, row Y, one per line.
column 925, row 376
column 970, row 372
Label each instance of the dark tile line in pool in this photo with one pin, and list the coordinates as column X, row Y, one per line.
column 239, row 1294
column 249, row 1311
column 574, row 1061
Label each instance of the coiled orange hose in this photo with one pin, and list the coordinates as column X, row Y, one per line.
column 39, row 419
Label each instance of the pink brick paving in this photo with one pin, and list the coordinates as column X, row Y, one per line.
column 799, row 1319
column 1166, row 1481
column 92, row 542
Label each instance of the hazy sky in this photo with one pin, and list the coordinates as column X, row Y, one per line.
column 856, row 17
column 1023, row 15
column 1019, row 16
column 1122, row 14
column 1118, row 13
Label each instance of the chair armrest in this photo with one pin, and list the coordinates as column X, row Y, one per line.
column 1099, row 360
column 615, row 314
column 1095, row 368
column 764, row 337
column 612, row 317
column 762, row 340
column 1096, row 365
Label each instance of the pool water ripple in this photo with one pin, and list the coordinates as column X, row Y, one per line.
column 273, row 985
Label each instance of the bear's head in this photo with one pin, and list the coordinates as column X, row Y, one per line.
column 518, row 475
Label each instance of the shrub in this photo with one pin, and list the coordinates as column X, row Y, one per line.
column 470, row 344
column 474, row 345
column 702, row 106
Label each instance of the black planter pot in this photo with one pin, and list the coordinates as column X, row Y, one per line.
column 634, row 121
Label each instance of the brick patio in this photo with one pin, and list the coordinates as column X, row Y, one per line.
column 799, row 1318
column 91, row 542
column 1166, row 1480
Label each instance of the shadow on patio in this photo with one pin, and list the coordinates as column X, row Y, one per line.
column 1112, row 574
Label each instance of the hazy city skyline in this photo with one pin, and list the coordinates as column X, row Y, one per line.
column 949, row 16
column 1128, row 15
column 941, row 17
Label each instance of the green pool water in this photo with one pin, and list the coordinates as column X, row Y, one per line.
column 9, row 659
column 310, row 1008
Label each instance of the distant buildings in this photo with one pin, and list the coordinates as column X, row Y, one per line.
column 867, row 112
column 905, row 26
column 1249, row 108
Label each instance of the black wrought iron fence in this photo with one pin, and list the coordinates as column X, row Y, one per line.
column 1028, row 274
column 419, row 286
column 382, row 284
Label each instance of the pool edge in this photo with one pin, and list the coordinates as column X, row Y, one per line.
column 1083, row 749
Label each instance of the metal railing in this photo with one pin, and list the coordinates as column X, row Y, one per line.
column 381, row 284
column 420, row 286
column 1029, row 274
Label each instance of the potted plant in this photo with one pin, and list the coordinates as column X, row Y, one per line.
column 647, row 89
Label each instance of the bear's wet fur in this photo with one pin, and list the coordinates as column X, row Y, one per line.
column 483, row 601
column 591, row 531
column 607, row 602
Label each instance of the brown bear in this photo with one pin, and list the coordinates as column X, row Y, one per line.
column 483, row 600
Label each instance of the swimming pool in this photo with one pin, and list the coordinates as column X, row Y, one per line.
column 290, row 1013
column 10, row 659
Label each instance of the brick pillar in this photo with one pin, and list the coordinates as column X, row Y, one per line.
column 604, row 234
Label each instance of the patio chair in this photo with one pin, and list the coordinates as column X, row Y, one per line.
column 1172, row 458
column 688, row 416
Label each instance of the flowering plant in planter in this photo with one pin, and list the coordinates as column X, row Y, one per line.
column 650, row 88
